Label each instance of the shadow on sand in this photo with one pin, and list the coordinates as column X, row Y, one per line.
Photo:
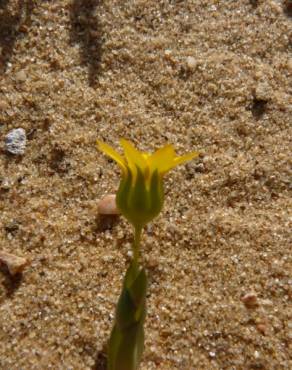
column 100, row 361
column 10, row 283
column 86, row 31
column 13, row 23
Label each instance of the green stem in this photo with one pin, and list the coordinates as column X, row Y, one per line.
column 136, row 244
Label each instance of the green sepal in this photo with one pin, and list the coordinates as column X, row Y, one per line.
column 139, row 201
column 123, row 193
column 156, row 193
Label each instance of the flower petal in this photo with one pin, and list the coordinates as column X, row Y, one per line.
column 162, row 159
column 108, row 150
column 133, row 156
column 185, row 158
column 179, row 160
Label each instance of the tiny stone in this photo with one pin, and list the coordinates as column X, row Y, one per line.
column 191, row 62
column 250, row 300
column 21, row 76
column 107, row 205
column 15, row 141
column 3, row 105
column 289, row 65
column 14, row 263
column 263, row 91
column 5, row 184
column 152, row 262
column 256, row 354
column 262, row 328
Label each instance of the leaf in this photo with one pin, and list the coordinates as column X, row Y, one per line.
column 126, row 343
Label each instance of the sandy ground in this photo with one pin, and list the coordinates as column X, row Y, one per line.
column 212, row 76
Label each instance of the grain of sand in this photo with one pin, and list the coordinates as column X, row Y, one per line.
column 212, row 76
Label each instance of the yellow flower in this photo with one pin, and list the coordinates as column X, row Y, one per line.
column 162, row 161
column 140, row 199
column 140, row 195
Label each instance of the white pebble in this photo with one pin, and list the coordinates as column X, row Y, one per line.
column 15, row 141
column 191, row 62
column 167, row 53
column 257, row 354
column 107, row 205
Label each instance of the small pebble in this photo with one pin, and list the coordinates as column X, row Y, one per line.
column 289, row 65
column 257, row 354
column 191, row 62
column 262, row 328
column 250, row 300
column 21, row 76
column 5, row 184
column 4, row 105
column 107, row 205
column 167, row 53
column 15, row 141
column 14, row 263
column 263, row 91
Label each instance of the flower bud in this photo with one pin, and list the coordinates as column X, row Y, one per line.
column 139, row 198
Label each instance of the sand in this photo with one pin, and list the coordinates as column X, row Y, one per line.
column 212, row 76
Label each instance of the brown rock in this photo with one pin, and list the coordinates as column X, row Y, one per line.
column 107, row 205
column 14, row 263
column 250, row 300
column 262, row 328
column 4, row 105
